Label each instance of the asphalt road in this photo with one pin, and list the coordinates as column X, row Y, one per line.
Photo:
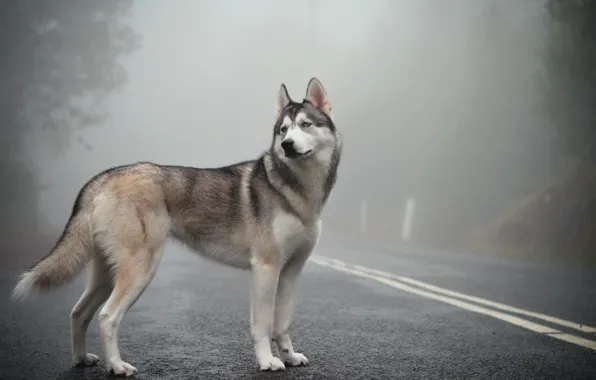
column 193, row 322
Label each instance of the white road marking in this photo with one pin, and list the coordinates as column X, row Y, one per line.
column 397, row 284
column 496, row 305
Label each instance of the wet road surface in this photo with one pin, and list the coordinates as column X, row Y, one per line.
column 193, row 321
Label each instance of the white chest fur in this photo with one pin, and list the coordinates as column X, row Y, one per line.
column 293, row 236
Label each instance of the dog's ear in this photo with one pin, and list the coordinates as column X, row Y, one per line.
column 316, row 94
column 283, row 99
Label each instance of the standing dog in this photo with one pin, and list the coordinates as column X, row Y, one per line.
column 263, row 215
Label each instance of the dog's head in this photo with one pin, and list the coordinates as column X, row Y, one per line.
column 306, row 129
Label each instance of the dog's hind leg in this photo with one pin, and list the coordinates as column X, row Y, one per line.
column 131, row 277
column 97, row 291
column 132, row 235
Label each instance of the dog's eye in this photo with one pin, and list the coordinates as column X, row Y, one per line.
column 283, row 129
column 306, row 124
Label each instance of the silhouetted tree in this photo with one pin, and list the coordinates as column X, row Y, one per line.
column 571, row 75
column 59, row 61
column 558, row 222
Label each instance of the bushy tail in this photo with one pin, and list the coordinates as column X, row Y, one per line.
column 69, row 256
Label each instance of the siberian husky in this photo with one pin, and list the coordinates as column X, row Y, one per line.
column 263, row 215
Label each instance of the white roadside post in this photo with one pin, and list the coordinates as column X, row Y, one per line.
column 408, row 220
column 363, row 216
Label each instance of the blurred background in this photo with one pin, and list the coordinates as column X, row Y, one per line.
column 482, row 111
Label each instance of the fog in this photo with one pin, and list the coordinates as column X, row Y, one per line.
column 437, row 101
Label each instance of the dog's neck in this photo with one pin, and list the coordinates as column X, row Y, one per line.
column 307, row 183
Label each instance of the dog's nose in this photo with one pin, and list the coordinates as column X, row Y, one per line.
column 287, row 144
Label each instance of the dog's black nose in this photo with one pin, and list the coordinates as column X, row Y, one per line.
column 287, row 145
column 289, row 148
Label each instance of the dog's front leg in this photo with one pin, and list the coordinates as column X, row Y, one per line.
column 264, row 287
column 284, row 308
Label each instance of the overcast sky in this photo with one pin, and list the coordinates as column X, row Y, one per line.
column 420, row 89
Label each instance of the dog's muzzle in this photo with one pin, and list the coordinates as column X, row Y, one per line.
column 289, row 148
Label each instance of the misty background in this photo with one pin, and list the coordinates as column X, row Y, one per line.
column 483, row 111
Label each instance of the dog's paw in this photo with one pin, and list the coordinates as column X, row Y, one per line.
column 121, row 368
column 87, row 360
column 294, row 359
column 271, row 364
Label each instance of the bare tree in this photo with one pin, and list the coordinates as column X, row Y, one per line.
column 59, row 61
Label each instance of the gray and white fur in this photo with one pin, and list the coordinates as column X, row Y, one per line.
column 263, row 215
